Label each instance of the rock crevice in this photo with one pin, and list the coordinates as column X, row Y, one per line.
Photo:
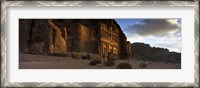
column 103, row 37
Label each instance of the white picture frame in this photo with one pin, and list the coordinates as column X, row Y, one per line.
column 5, row 55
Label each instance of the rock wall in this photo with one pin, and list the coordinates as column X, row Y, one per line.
column 25, row 35
column 87, row 39
column 44, row 36
column 57, row 38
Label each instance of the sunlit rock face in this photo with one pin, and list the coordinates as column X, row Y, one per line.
column 57, row 38
column 101, row 37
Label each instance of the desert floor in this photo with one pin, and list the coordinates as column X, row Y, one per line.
column 31, row 61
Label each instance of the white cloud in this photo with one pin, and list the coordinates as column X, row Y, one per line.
column 165, row 33
column 135, row 38
column 173, row 43
column 170, row 41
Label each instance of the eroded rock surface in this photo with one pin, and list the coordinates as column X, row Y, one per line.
column 49, row 36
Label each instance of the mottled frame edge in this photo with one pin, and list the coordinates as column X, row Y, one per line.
column 4, row 4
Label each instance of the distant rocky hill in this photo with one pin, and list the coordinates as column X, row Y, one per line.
column 144, row 51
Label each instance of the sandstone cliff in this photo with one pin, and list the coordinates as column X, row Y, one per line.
column 49, row 36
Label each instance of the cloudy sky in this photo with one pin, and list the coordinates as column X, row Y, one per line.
column 165, row 33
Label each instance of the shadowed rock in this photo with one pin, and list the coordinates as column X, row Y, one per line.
column 102, row 37
column 146, row 52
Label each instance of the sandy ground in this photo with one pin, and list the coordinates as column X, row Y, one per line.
column 31, row 61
